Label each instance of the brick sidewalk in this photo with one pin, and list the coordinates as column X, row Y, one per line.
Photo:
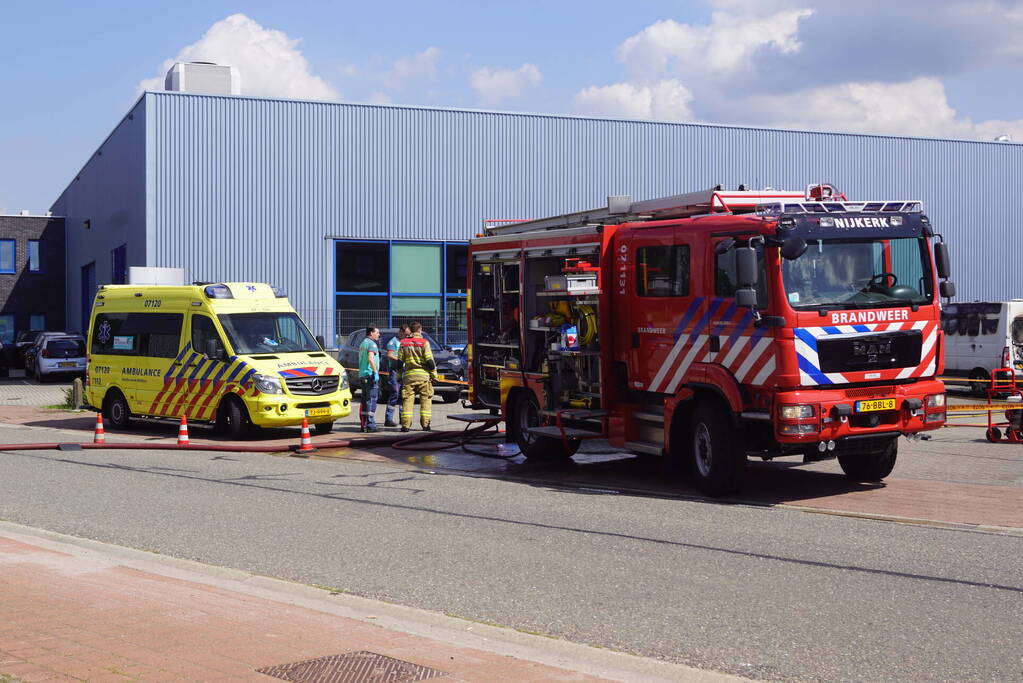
column 70, row 613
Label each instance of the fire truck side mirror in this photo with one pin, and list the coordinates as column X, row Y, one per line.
column 947, row 289
column 724, row 245
column 941, row 260
column 746, row 267
column 793, row 248
column 747, row 298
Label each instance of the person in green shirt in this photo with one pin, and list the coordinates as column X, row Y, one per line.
column 394, row 378
column 369, row 375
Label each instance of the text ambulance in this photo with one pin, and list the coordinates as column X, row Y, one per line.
column 235, row 354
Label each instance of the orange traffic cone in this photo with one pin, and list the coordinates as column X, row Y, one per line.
column 305, row 446
column 98, row 436
column 183, row 432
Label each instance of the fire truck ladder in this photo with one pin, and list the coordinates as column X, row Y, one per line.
column 621, row 209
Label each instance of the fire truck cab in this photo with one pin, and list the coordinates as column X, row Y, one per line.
column 714, row 326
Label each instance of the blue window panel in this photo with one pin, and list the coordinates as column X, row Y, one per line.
column 8, row 251
column 35, row 256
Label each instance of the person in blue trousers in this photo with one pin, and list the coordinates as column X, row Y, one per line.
column 394, row 378
column 369, row 375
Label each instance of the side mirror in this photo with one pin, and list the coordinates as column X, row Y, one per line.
column 724, row 245
column 947, row 289
column 941, row 260
column 213, row 350
column 793, row 248
column 321, row 341
column 746, row 266
column 746, row 298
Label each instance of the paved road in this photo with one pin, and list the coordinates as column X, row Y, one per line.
column 763, row 592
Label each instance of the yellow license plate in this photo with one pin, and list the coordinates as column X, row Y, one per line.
column 66, row 365
column 317, row 412
column 875, row 404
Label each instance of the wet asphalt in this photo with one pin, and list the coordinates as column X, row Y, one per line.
column 763, row 592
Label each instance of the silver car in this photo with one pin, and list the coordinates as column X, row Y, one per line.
column 57, row 355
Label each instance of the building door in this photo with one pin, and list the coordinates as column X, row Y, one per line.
column 88, row 293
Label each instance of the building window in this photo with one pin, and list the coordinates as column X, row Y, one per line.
column 8, row 251
column 7, row 328
column 119, row 265
column 37, row 321
column 663, row 271
column 390, row 283
column 35, row 256
column 362, row 267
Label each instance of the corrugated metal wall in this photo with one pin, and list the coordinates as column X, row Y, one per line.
column 249, row 188
column 109, row 192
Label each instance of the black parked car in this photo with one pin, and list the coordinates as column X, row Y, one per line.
column 449, row 364
column 22, row 343
column 5, row 362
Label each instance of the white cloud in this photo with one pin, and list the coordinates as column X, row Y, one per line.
column 872, row 67
column 415, row 70
column 267, row 60
column 918, row 107
column 666, row 100
column 496, row 85
column 726, row 44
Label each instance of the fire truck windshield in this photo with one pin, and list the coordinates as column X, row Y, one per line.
column 859, row 274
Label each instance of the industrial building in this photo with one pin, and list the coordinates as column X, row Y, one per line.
column 362, row 212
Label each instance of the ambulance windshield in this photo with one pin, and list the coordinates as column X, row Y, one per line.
column 859, row 274
column 267, row 333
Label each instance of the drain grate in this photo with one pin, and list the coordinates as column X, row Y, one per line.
column 352, row 667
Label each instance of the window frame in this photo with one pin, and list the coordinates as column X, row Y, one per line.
column 643, row 283
column 14, row 255
column 40, row 261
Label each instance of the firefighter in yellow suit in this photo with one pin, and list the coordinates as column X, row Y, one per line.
column 417, row 372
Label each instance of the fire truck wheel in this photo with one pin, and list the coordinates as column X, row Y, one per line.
column 115, row 410
column 870, row 467
column 718, row 461
column 232, row 418
column 526, row 414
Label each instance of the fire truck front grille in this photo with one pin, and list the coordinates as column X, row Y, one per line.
column 313, row 386
column 900, row 349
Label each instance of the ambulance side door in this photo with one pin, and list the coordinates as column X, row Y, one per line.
column 158, row 349
column 662, row 305
column 204, row 379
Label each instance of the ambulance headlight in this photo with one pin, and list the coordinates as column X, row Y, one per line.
column 344, row 381
column 267, row 384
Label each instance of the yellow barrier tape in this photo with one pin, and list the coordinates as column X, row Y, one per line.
column 983, row 407
column 436, row 381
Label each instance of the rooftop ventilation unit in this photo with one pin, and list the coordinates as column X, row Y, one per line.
column 204, row 78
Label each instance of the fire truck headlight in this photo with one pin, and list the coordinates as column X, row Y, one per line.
column 935, row 401
column 827, row 222
column 267, row 384
column 795, row 412
column 798, row 429
column 895, row 221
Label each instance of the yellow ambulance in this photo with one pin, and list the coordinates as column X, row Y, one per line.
column 235, row 354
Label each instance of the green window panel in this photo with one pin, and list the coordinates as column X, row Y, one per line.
column 415, row 268
column 416, row 305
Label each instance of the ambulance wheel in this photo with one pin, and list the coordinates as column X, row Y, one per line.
column 870, row 467
column 525, row 415
column 719, row 462
column 232, row 418
column 323, row 427
column 115, row 410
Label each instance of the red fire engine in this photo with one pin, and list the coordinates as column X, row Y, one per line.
column 714, row 326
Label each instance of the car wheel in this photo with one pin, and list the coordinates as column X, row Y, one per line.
column 40, row 377
column 450, row 397
column 116, row 410
column 232, row 418
column 979, row 382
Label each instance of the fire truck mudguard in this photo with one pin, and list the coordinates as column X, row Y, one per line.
column 714, row 326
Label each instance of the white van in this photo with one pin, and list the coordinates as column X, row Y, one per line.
column 982, row 336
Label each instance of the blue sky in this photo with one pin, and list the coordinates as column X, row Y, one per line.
column 70, row 70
